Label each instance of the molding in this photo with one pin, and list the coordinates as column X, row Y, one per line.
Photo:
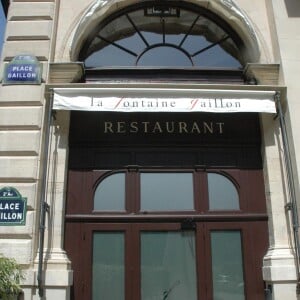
column 235, row 10
column 279, row 265
column 262, row 74
column 66, row 72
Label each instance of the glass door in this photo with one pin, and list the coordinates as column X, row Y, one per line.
column 168, row 265
column 142, row 261
column 166, row 234
column 227, row 265
column 164, row 261
column 108, row 265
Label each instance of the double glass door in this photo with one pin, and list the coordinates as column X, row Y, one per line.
column 157, row 234
column 164, row 261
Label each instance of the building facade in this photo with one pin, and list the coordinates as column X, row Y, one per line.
column 155, row 144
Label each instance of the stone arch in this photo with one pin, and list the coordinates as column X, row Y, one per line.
column 226, row 9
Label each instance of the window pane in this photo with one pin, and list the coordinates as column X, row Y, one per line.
column 227, row 265
column 165, row 56
column 167, row 191
column 110, row 56
column 108, row 266
column 222, row 193
column 168, row 267
column 216, row 57
column 110, row 193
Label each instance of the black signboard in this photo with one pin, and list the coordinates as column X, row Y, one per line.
column 164, row 128
column 113, row 140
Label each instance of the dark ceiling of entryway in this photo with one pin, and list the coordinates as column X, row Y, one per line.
column 5, row 4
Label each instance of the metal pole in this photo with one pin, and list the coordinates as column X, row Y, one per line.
column 44, row 207
column 292, row 205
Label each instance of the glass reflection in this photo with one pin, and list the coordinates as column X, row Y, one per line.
column 222, row 193
column 164, row 57
column 108, row 266
column 110, row 193
column 168, row 266
column 227, row 265
column 167, row 191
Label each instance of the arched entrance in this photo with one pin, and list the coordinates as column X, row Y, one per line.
column 165, row 205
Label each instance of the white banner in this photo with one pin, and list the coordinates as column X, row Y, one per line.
column 153, row 101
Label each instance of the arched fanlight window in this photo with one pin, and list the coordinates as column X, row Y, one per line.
column 163, row 34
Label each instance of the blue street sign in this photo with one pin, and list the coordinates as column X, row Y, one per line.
column 23, row 69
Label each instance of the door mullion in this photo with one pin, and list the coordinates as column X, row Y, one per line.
column 133, row 282
column 203, row 260
column 128, row 267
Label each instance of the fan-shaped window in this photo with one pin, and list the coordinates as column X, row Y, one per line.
column 222, row 193
column 172, row 35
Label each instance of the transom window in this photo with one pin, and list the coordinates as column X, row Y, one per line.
column 165, row 191
column 156, row 34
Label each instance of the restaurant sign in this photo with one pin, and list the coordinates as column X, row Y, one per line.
column 23, row 69
column 12, row 207
column 163, row 100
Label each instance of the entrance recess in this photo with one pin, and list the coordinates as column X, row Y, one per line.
column 155, row 212
column 165, row 186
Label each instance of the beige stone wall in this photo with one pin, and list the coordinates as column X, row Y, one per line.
column 47, row 30
column 287, row 26
column 30, row 30
column 70, row 14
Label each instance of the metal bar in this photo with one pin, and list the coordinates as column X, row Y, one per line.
column 137, row 30
column 163, row 30
column 164, row 45
column 291, row 186
column 212, row 45
column 44, row 207
column 190, row 29
column 117, row 45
